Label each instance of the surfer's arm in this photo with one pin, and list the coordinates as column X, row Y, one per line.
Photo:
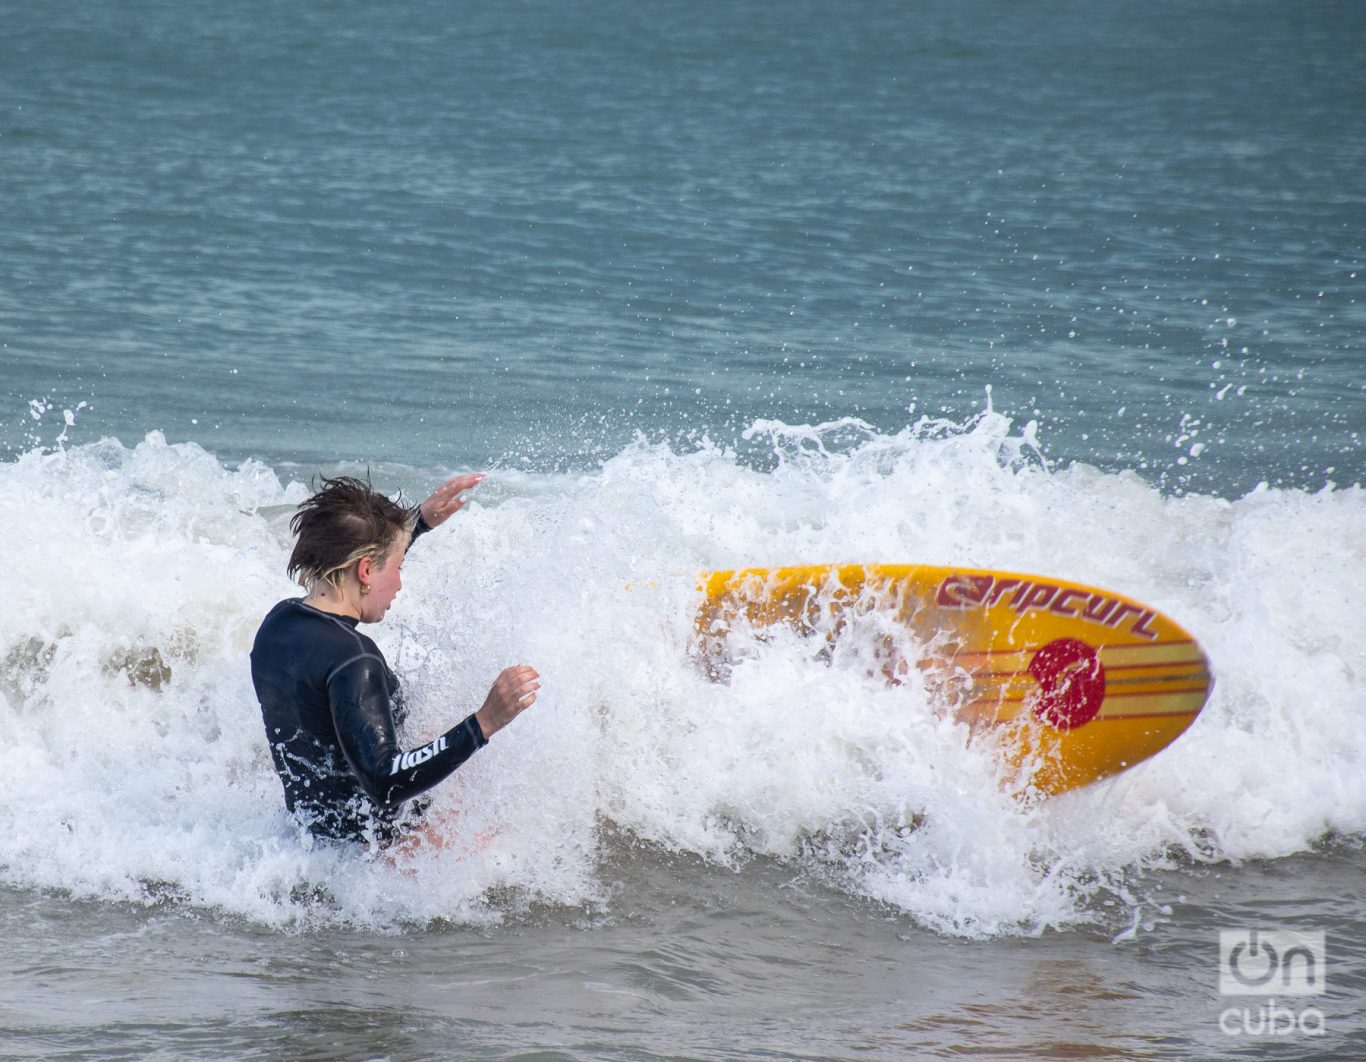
column 443, row 503
column 363, row 717
column 420, row 528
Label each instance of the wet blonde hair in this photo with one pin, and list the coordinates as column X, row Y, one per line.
column 344, row 522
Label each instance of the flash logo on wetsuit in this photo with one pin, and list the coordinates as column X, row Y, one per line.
column 406, row 761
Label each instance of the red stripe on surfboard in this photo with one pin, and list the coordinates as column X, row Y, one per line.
column 1098, row 648
column 1148, row 667
column 1110, row 669
column 1145, row 715
column 1159, row 693
column 1109, row 695
column 1132, row 715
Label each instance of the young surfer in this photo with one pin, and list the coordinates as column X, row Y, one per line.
column 331, row 705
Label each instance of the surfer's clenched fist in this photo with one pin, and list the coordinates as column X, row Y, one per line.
column 513, row 692
column 446, row 501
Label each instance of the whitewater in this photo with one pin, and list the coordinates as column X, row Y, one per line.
column 133, row 765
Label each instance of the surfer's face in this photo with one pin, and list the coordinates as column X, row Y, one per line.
column 384, row 576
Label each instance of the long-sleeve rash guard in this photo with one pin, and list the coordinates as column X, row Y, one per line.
column 331, row 708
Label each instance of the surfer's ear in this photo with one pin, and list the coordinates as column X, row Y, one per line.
column 371, row 563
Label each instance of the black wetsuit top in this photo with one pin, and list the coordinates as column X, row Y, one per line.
column 331, row 707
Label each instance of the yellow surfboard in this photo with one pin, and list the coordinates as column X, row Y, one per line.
column 1073, row 683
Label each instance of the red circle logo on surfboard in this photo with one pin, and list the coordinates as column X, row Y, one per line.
column 1071, row 682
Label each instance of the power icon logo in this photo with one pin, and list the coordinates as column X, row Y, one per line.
column 1256, row 955
column 1256, row 962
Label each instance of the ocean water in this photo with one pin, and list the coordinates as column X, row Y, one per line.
column 1058, row 288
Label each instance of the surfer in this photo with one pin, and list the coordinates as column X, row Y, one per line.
column 330, row 703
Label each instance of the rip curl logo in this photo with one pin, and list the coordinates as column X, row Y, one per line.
column 1026, row 595
column 406, row 761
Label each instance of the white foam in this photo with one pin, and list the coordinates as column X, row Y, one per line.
column 132, row 763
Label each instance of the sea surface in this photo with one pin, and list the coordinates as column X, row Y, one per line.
column 1062, row 287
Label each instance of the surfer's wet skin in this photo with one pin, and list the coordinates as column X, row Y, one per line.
column 1066, row 688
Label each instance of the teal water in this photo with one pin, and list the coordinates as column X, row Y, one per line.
column 1064, row 288
column 447, row 234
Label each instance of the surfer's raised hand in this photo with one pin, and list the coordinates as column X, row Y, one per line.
column 513, row 692
column 446, row 501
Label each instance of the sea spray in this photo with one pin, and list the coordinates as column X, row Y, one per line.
column 133, row 766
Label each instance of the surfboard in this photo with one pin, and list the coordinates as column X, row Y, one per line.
column 1070, row 683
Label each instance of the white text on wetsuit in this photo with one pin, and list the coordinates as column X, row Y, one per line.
column 406, row 761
